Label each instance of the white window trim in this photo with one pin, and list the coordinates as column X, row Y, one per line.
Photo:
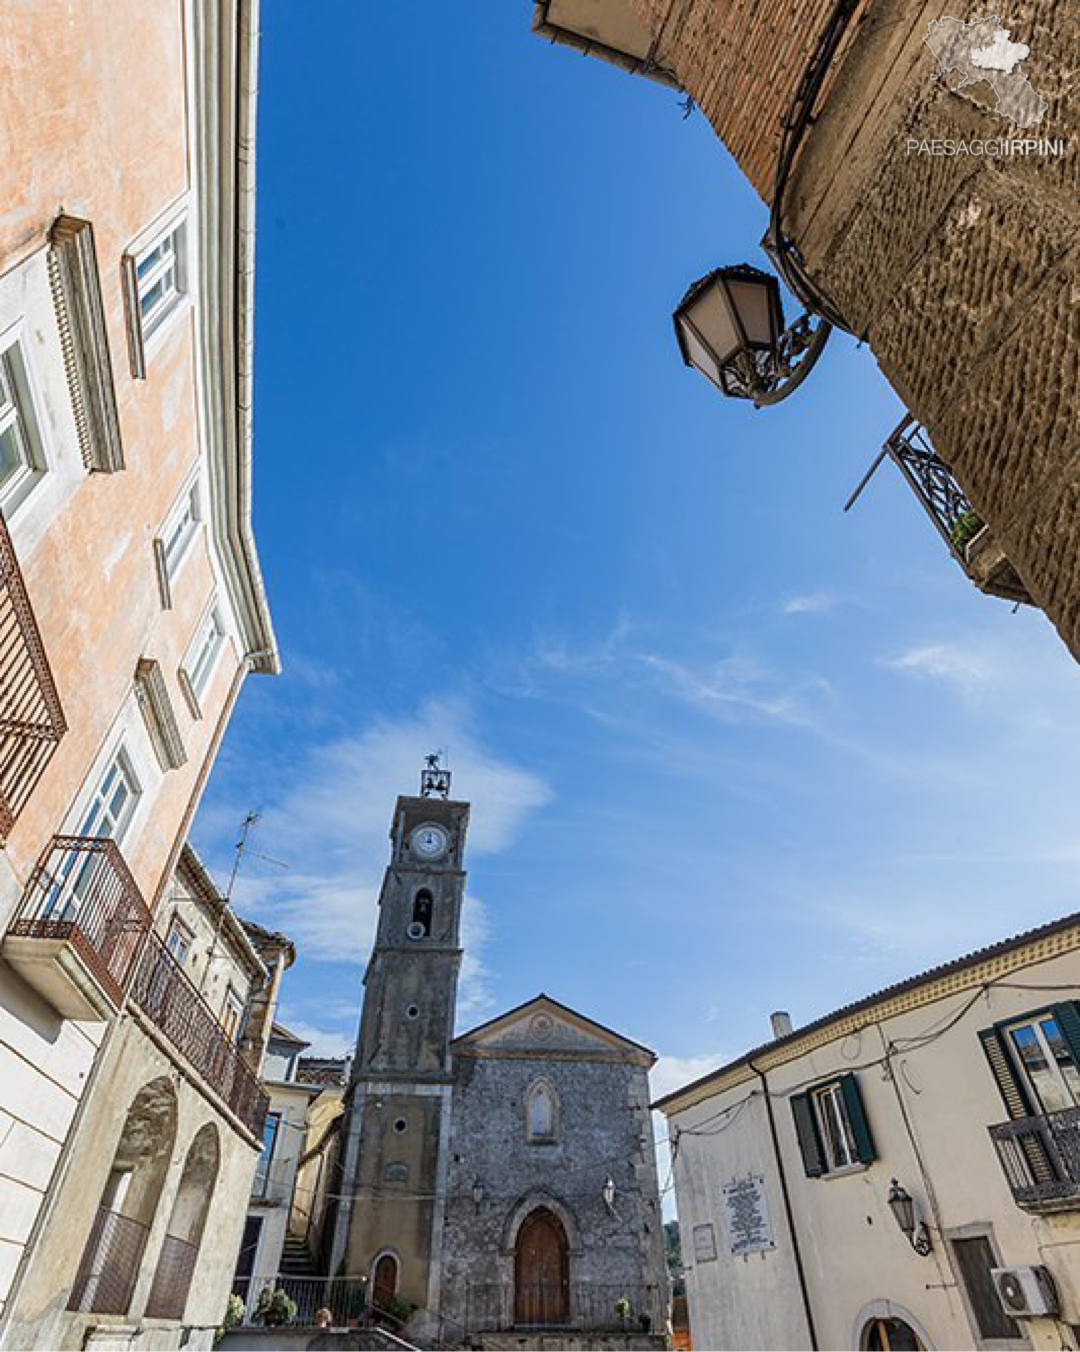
column 142, row 345
column 214, row 613
column 168, row 571
column 177, row 926
column 831, row 1089
column 122, row 756
column 29, row 412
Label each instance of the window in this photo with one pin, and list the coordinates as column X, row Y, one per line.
column 541, row 1113
column 1036, row 1060
column 171, row 546
column 114, row 801
column 262, row 1168
column 1044, row 1058
column 161, row 279
column 21, row 460
column 232, row 1012
column 421, row 913
column 203, row 657
column 178, row 941
column 975, row 1257
column 832, row 1127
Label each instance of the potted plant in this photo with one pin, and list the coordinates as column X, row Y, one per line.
column 964, row 530
column 275, row 1307
column 234, row 1314
column 623, row 1309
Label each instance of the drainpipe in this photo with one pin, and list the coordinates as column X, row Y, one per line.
column 788, row 1212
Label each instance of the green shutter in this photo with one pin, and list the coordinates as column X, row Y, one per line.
column 1008, row 1082
column 813, row 1157
column 856, row 1115
column 1068, row 1017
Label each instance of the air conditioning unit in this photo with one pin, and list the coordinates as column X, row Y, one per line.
column 1025, row 1292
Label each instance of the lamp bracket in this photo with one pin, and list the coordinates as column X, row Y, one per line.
column 797, row 351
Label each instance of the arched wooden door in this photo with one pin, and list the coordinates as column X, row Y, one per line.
column 542, row 1271
column 384, row 1281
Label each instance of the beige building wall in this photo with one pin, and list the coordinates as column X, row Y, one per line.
column 121, row 114
column 929, row 1096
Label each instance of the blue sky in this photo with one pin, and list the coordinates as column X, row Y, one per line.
column 729, row 750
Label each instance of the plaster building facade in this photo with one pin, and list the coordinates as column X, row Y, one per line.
column 131, row 603
column 903, row 1173
column 502, row 1182
column 144, row 1214
column 958, row 268
column 281, row 1242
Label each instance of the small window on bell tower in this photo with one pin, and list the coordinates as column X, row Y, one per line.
column 423, row 905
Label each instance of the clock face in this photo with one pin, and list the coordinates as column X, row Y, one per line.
column 429, row 841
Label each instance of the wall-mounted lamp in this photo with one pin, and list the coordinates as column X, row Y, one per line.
column 609, row 1193
column 730, row 327
column 478, row 1193
column 902, row 1206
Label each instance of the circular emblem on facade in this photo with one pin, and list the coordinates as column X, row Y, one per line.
column 542, row 1026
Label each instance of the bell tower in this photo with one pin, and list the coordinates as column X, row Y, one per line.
column 397, row 1117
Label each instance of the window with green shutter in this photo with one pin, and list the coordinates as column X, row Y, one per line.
column 832, row 1128
column 1035, row 1060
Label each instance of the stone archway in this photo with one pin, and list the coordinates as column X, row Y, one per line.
column 541, row 1271
column 180, row 1247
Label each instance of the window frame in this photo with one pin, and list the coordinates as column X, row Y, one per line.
column 232, row 1004
column 985, row 1231
column 811, row 1134
column 172, row 550
column 121, row 760
column 146, row 331
column 835, row 1133
column 21, row 410
column 1034, row 1021
column 187, row 936
column 197, row 668
column 542, row 1085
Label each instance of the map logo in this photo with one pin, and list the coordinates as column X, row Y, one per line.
column 983, row 50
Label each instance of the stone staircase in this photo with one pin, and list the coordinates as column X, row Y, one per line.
column 296, row 1259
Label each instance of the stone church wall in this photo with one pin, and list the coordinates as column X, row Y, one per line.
column 603, row 1129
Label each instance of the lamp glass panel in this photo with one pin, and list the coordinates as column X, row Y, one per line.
column 714, row 322
column 699, row 355
column 753, row 301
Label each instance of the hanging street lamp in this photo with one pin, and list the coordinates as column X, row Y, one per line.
column 730, row 327
column 902, row 1205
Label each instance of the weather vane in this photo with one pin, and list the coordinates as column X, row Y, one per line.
column 434, row 780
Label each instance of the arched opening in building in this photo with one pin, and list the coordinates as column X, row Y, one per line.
column 541, row 1112
column 384, row 1281
column 180, row 1247
column 423, row 908
column 541, row 1270
column 890, row 1334
column 113, row 1253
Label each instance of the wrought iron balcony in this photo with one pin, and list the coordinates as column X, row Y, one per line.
column 966, row 536
column 166, row 995
column 1041, row 1159
column 31, row 719
column 78, row 931
column 172, row 1279
column 110, row 1264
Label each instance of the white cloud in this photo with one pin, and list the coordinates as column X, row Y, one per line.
column 330, row 826
column 324, row 1041
column 810, row 603
column 674, row 1072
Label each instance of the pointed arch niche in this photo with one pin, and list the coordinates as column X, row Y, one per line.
column 541, row 1112
column 180, row 1247
column 112, row 1257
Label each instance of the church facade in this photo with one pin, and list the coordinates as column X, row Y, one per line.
column 504, row 1179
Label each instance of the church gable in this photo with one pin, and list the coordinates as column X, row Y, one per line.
column 544, row 1027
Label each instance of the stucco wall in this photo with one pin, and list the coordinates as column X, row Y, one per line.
column 931, row 1101
column 38, row 1317
column 961, row 272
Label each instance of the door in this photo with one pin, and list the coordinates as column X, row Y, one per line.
column 542, row 1271
column 384, row 1283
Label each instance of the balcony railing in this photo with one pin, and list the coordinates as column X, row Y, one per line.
column 31, row 719
column 78, row 931
column 595, row 1306
column 172, row 1279
column 110, row 1264
column 966, row 537
column 1041, row 1159
column 167, row 996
